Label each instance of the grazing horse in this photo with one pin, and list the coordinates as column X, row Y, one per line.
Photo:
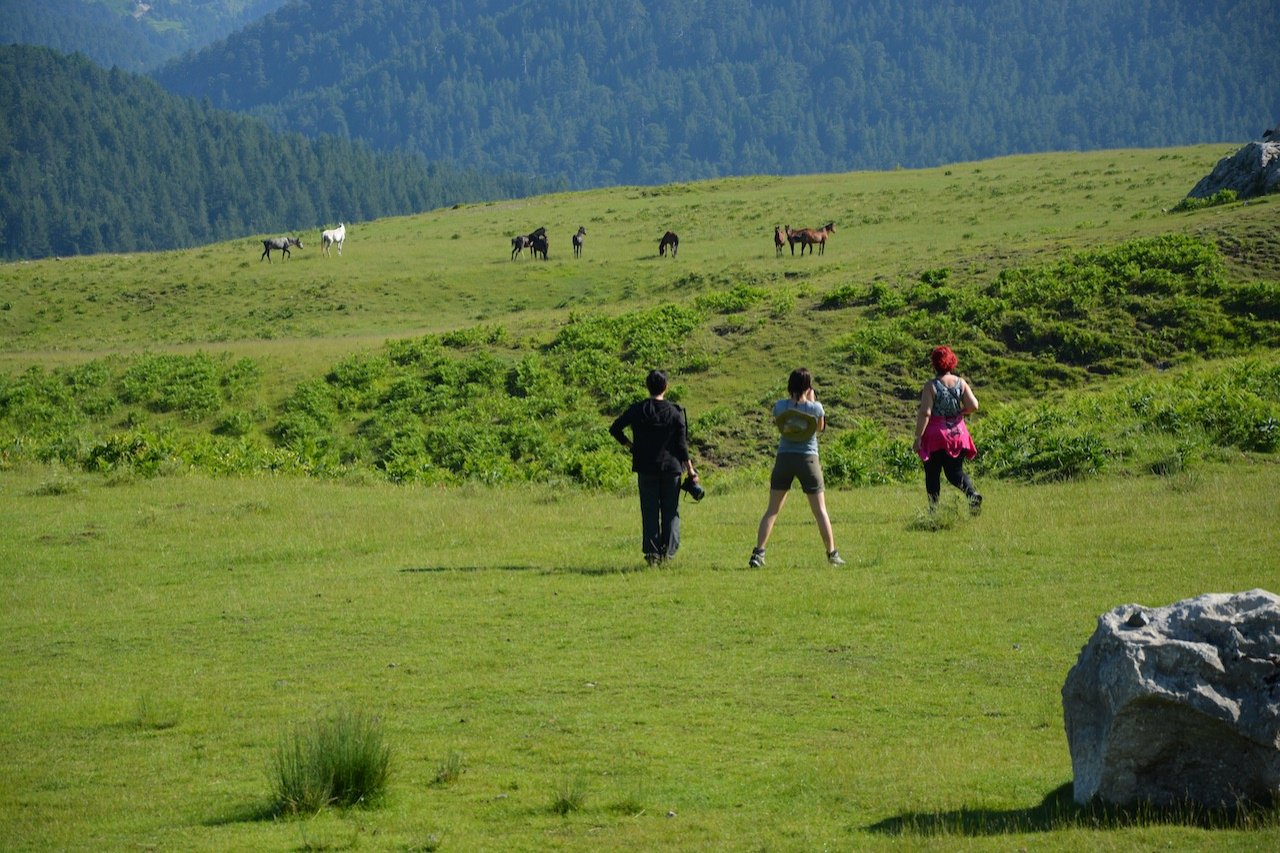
column 521, row 242
column 811, row 237
column 281, row 243
column 333, row 237
column 577, row 241
column 668, row 241
column 538, row 243
column 778, row 239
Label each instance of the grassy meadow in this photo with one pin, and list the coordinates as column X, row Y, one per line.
column 188, row 577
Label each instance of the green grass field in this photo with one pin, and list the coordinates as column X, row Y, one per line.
column 539, row 688
column 161, row 635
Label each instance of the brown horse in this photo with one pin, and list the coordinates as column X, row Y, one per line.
column 668, row 241
column 779, row 238
column 811, row 237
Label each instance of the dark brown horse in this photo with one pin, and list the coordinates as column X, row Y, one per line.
column 281, row 243
column 520, row 242
column 811, row 237
column 538, row 243
column 669, row 241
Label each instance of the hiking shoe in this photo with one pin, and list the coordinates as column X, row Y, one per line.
column 835, row 559
column 975, row 503
column 757, row 558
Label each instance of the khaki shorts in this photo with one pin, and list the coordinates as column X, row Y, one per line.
column 788, row 466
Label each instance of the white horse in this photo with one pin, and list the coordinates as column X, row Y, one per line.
column 333, row 237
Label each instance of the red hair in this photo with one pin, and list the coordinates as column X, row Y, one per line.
column 943, row 359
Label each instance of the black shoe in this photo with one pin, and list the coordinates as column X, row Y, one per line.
column 975, row 503
column 757, row 558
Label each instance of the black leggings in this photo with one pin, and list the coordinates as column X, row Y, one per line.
column 940, row 462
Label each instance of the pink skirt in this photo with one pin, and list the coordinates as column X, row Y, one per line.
column 949, row 434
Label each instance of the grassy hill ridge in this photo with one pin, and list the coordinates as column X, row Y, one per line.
column 1045, row 272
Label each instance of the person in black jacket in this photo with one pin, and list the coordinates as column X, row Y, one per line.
column 659, row 446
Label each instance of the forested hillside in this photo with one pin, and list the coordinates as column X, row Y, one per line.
column 94, row 160
column 651, row 91
column 124, row 33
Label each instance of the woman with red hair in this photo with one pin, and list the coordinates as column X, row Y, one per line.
column 942, row 439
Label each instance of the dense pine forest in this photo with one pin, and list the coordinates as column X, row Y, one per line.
column 94, row 160
column 655, row 91
column 133, row 36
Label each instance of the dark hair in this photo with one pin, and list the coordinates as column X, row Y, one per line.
column 943, row 359
column 801, row 380
column 656, row 382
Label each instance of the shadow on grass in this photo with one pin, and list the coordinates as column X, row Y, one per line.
column 588, row 571
column 1058, row 811
column 246, row 813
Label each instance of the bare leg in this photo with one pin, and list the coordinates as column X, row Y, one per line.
column 776, row 499
column 818, row 503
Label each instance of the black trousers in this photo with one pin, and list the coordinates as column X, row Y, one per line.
column 659, row 514
column 940, row 462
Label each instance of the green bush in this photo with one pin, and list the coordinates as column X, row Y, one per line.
column 1220, row 197
column 739, row 299
column 190, row 386
column 864, row 454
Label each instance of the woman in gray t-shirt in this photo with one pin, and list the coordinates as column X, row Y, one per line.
column 799, row 418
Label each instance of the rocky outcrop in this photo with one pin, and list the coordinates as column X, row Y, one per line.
column 1252, row 171
column 1179, row 704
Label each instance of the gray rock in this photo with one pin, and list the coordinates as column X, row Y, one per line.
column 1252, row 171
column 1179, row 704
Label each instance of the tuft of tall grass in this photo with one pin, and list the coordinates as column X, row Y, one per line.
column 156, row 714
column 340, row 761
column 449, row 770
column 570, row 795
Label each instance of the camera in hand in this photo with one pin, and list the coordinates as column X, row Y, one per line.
column 693, row 487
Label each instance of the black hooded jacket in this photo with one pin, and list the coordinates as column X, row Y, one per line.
column 660, row 442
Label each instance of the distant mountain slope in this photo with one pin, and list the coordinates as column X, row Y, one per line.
column 94, row 160
column 650, row 91
column 129, row 34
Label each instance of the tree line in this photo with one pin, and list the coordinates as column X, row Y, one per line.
column 651, row 91
column 93, row 160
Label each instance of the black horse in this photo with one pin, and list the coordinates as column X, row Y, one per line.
column 669, row 241
column 538, row 244
column 577, row 241
column 281, row 243
column 521, row 242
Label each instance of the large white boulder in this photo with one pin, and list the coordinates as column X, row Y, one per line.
column 1179, row 704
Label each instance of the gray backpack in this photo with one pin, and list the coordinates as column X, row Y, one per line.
column 948, row 402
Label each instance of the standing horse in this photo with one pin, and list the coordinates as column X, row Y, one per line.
column 281, row 243
column 333, row 237
column 577, row 241
column 668, row 241
column 538, row 243
column 811, row 237
column 521, row 242
column 778, row 239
